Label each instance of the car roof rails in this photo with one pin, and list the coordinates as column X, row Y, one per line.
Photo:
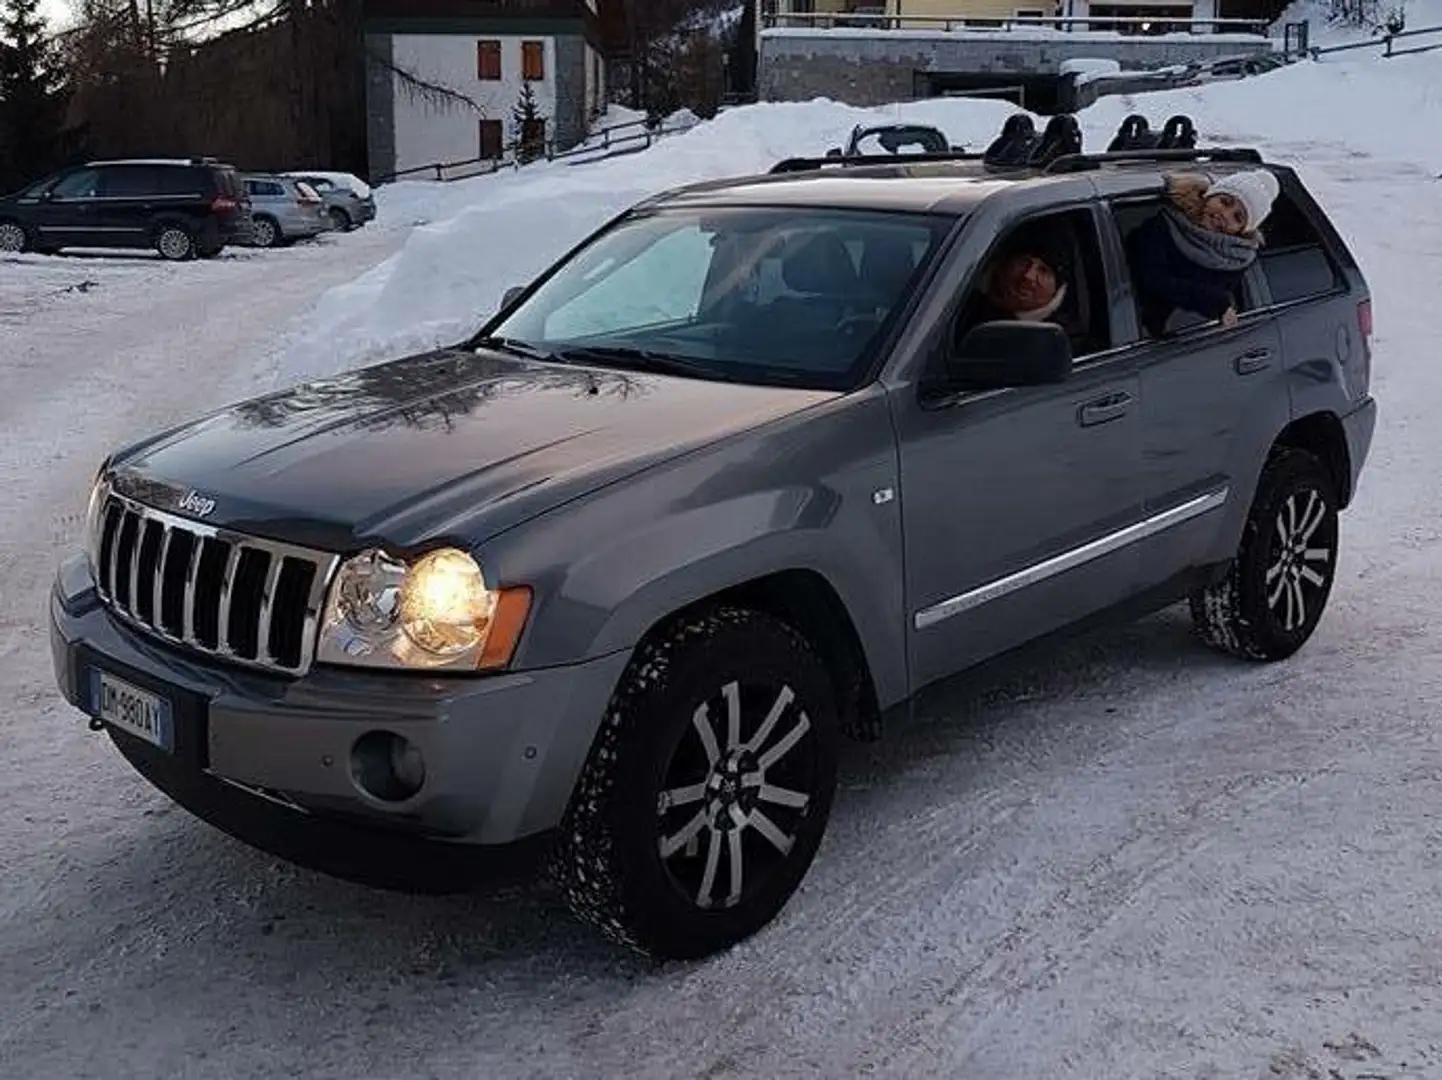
column 815, row 164
column 1071, row 163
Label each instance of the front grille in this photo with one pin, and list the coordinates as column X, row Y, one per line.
column 255, row 602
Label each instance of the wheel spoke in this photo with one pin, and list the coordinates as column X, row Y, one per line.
column 672, row 844
column 767, row 828
column 1291, row 516
column 1272, row 572
column 1317, row 554
column 778, row 709
column 732, row 693
column 1284, row 540
column 1310, row 575
column 790, row 739
column 713, row 860
column 701, row 720
column 1311, row 523
column 681, row 796
column 1297, row 607
column 736, row 869
column 781, row 796
column 1275, row 596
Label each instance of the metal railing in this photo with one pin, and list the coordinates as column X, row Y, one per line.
column 827, row 20
column 1385, row 43
column 631, row 137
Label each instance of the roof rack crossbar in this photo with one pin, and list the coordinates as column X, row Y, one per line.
column 811, row 164
column 1082, row 162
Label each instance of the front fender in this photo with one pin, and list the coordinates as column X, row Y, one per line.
column 798, row 496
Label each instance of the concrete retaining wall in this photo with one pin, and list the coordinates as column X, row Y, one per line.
column 874, row 67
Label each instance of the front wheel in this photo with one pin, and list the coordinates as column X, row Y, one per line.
column 1272, row 599
column 339, row 219
column 707, row 790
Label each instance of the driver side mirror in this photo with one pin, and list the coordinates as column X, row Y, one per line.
column 510, row 295
column 997, row 355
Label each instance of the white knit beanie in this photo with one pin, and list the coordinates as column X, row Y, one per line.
column 1255, row 190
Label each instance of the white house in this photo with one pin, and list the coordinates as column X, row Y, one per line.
column 446, row 79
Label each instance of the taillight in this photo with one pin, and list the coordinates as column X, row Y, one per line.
column 222, row 204
column 1364, row 319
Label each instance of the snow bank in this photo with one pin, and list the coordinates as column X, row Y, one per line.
column 481, row 236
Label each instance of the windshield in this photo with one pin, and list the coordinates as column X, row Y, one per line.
column 783, row 295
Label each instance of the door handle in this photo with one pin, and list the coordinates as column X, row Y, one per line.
column 1252, row 361
column 1103, row 409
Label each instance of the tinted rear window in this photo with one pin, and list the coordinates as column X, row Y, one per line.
column 123, row 181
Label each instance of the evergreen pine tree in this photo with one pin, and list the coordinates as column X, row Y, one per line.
column 529, row 134
column 33, row 97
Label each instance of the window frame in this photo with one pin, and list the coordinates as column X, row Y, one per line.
column 533, row 49
column 488, row 50
column 1322, row 240
column 1098, row 297
column 1255, row 295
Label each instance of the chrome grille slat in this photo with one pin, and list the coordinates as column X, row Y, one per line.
column 157, row 588
column 260, row 604
column 132, row 599
column 227, row 583
column 267, row 601
column 187, row 616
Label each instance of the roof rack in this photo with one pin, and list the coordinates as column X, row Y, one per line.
column 1070, row 163
column 811, row 164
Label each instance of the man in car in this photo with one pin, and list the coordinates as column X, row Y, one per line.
column 1028, row 279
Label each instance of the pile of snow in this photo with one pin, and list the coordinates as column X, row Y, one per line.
column 1088, row 69
column 1323, row 31
column 489, row 233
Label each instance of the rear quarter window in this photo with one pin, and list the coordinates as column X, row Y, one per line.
column 1294, row 259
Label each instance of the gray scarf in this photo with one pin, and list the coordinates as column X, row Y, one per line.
column 1210, row 250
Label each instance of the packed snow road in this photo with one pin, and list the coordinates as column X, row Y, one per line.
column 1126, row 857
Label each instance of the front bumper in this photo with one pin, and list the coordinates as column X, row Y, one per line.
column 501, row 753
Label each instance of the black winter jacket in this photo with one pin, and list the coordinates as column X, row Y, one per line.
column 1166, row 280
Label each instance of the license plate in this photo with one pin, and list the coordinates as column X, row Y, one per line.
column 138, row 712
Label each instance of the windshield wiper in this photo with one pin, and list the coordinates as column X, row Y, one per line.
column 516, row 347
column 640, row 360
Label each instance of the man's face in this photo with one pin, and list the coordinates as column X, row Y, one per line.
column 1224, row 213
column 1024, row 283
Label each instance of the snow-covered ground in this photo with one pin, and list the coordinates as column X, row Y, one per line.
column 1125, row 858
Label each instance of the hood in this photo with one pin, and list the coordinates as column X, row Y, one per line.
column 456, row 445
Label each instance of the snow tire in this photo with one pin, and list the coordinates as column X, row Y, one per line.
column 1273, row 597
column 611, row 861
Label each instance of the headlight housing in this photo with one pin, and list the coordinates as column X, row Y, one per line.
column 435, row 612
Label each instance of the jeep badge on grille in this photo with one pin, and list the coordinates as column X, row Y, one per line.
column 195, row 503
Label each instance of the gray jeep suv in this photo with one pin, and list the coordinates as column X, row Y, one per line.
column 731, row 480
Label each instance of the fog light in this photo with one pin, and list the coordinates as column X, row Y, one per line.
column 387, row 766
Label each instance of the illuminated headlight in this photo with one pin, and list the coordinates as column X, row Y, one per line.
column 436, row 612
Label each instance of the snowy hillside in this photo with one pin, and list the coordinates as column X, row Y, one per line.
column 483, row 235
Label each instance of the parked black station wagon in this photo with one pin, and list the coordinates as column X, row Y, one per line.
column 737, row 477
column 182, row 208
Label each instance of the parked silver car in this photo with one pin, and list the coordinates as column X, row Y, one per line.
column 284, row 210
column 349, row 202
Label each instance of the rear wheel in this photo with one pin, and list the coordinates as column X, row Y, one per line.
column 13, row 237
column 340, row 219
column 174, row 242
column 1272, row 599
column 708, row 788
column 265, row 233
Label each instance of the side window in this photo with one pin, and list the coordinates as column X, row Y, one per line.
column 1047, row 268
column 663, row 283
column 1293, row 259
column 181, row 181
column 129, row 182
column 77, row 185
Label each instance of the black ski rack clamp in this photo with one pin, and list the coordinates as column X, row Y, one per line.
column 1020, row 148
